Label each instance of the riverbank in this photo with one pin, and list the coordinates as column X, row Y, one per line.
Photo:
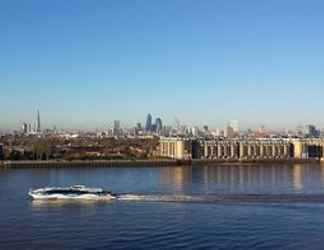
column 142, row 163
column 92, row 163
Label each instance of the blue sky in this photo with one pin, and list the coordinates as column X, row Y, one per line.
column 85, row 63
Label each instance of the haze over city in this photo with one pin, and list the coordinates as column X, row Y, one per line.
column 87, row 63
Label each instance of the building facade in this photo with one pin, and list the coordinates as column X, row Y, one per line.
column 245, row 149
column 308, row 148
column 175, row 148
column 235, row 149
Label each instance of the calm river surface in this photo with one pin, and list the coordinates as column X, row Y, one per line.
column 210, row 207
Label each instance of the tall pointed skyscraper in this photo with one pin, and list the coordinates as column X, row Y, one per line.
column 148, row 124
column 38, row 123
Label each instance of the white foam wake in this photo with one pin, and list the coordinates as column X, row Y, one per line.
column 162, row 198
column 226, row 198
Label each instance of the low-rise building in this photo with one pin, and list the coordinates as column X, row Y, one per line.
column 235, row 149
column 246, row 149
column 219, row 149
column 175, row 148
column 308, row 148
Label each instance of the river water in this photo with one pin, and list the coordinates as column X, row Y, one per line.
column 203, row 207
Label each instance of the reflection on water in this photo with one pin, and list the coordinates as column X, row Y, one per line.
column 62, row 202
column 245, row 178
column 263, row 178
column 298, row 177
column 175, row 198
column 81, row 208
column 177, row 177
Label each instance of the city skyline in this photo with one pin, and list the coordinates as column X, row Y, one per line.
column 259, row 63
column 156, row 125
column 149, row 124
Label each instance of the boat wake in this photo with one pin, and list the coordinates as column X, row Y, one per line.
column 225, row 198
column 82, row 193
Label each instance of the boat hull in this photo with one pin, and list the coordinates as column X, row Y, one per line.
column 71, row 197
column 86, row 194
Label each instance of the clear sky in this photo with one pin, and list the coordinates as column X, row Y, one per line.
column 84, row 63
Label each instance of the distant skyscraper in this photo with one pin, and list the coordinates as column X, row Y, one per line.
column 138, row 129
column 139, row 126
column 30, row 129
column 116, row 124
column 311, row 131
column 300, row 131
column 158, row 125
column 229, row 132
column 24, row 128
column 235, row 126
column 116, row 129
column 262, row 130
column 193, row 131
column 38, row 123
column 148, row 124
column 218, row 132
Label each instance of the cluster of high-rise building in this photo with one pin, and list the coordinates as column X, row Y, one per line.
column 151, row 127
column 310, row 131
column 29, row 129
column 155, row 127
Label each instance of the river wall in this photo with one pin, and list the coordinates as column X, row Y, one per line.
column 143, row 163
